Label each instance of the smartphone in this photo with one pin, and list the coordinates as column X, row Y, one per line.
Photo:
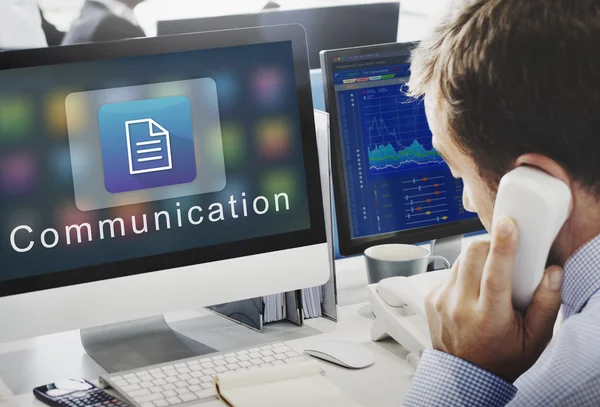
column 76, row 393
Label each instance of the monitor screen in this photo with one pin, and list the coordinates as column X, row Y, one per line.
column 120, row 159
column 394, row 179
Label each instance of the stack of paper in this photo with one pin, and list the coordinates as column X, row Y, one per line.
column 296, row 385
column 274, row 308
column 312, row 298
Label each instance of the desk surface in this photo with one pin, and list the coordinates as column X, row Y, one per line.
column 28, row 363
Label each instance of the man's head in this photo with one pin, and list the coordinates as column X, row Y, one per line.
column 514, row 82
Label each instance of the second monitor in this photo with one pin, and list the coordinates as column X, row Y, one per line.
column 390, row 184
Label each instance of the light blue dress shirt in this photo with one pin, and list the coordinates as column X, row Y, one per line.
column 567, row 373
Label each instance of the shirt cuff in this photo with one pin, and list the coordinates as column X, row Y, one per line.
column 445, row 380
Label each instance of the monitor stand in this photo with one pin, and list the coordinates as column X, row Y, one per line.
column 135, row 344
column 448, row 247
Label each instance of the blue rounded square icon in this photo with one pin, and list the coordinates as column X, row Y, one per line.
column 147, row 143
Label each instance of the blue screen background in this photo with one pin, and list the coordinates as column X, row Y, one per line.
column 262, row 146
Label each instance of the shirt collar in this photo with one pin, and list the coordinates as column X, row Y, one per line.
column 120, row 9
column 582, row 277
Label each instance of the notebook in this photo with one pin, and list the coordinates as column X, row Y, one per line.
column 296, row 385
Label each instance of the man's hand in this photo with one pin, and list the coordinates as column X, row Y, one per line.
column 472, row 317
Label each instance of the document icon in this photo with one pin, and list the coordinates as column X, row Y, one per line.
column 148, row 146
column 147, row 143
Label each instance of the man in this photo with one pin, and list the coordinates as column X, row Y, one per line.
column 105, row 20
column 509, row 83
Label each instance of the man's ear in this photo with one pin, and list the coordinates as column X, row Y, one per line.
column 547, row 165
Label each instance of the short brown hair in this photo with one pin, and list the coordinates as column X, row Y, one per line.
column 518, row 76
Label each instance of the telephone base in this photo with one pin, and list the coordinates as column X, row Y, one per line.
column 410, row 331
column 403, row 316
column 378, row 330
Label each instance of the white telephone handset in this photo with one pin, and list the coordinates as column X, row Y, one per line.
column 537, row 202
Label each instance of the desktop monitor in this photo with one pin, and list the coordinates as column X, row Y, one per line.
column 326, row 27
column 390, row 185
column 153, row 175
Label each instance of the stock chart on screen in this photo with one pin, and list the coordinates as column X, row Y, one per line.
column 395, row 179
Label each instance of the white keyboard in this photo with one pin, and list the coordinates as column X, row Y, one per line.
column 191, row 381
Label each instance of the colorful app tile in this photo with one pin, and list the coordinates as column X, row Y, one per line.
column 18, row 173
column 134, row 140
column 55, row 115
column 267, row 84
column 16, row 117
column 147, row 143
column 274, row 138
column 229, row 89
column 234, row 144
column 278, row 181
column 60, row 162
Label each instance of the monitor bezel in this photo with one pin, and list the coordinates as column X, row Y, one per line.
column 206, row 254
column 347, row 245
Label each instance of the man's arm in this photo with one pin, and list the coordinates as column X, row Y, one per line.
column 445, row 380
column 564, row 375
column 482, row 343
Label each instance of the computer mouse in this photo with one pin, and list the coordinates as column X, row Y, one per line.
column 342, row 353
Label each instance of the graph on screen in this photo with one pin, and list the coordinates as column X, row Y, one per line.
column 397, row 133
column 387, row 157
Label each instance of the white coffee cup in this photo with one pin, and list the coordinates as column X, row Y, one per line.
column 393, row 260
